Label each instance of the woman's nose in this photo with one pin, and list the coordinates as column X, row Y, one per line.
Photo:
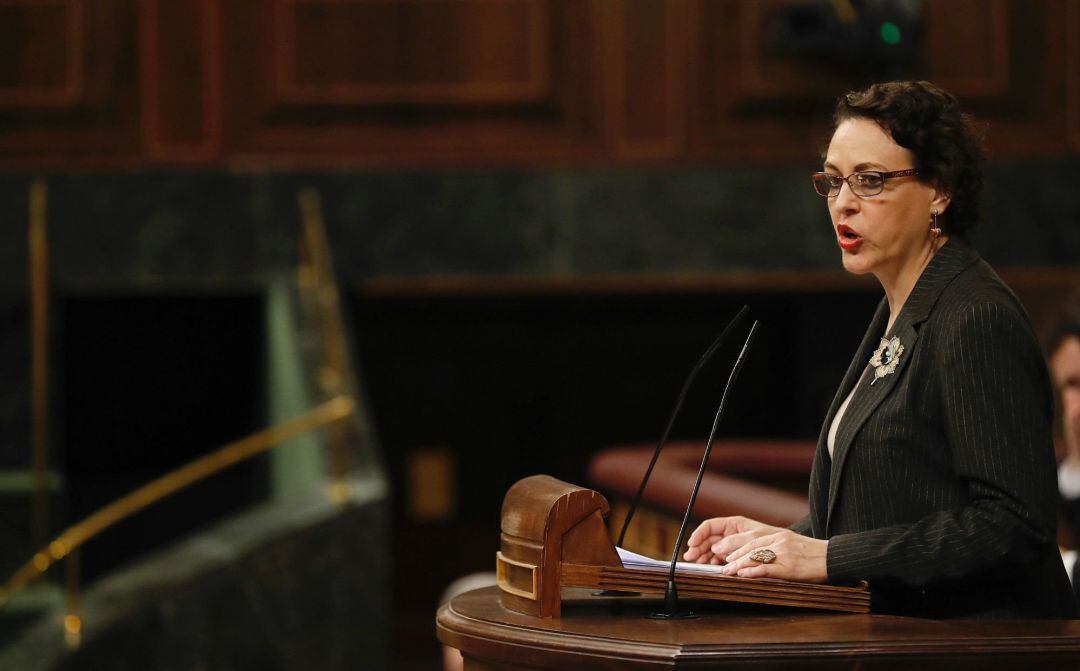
column 845, row 201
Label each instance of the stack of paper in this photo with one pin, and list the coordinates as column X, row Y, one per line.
column 634, row 560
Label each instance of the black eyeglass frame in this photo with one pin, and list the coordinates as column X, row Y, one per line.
column 910, row 172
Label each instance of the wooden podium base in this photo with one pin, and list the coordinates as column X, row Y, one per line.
column 613, row 633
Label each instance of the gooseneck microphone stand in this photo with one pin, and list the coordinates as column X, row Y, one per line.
column 735, row 321
column 671, row 595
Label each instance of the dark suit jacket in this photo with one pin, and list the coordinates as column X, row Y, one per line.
column 1070, row 509
column 941, row 490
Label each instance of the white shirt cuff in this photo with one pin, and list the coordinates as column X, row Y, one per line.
column 1068, row 557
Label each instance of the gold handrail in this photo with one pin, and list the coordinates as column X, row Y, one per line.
column 315, row 274
column 316, row 277
column 334, row 410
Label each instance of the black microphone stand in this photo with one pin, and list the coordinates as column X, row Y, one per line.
column 671, row 595
column 735, row 321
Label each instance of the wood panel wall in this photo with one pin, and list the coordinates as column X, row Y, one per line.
column 476, row 82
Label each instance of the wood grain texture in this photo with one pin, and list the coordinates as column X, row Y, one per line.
column 609, row 634
column 416, row 52
column 180, row 79
column 67, row 79
column 398, row 82
column 1004, row 61
column 325, row 83
column 543, row 521
column 693, row 585
column 42, row 53
column 556, row 531
column 645, row 65
column 1072, row 71
column 980, row 31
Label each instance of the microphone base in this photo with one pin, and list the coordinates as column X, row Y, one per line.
column 671, row 606
column 677, row 615
column 614, row 592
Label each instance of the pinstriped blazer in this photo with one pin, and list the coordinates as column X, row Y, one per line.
column 941, row 489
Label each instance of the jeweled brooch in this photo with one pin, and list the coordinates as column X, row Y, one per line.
column 885, row 358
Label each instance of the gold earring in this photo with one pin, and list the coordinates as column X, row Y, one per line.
column 935, row 228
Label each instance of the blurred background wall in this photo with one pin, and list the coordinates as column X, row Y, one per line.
column 540, row 212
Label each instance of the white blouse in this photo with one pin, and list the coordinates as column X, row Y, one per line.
column 831, row 442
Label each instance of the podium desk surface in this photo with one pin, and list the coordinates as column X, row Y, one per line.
column 613, row 633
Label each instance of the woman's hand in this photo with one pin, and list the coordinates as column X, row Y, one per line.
column 797, row 558
column 715, row 539
column 731, row 541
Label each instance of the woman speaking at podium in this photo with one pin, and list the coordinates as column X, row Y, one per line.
column 934, row 476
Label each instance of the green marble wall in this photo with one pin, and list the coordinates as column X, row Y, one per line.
column 223, row 229
column 301, row 584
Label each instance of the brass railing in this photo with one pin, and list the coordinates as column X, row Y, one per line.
column 334, row 381
column 315, row 278
column 67, row 543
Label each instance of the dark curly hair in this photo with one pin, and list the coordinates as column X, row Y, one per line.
column 927, row 121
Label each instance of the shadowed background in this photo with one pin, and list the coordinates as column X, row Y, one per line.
column 540, row 212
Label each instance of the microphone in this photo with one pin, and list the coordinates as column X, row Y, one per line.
column 671, row 596
column 675, row 413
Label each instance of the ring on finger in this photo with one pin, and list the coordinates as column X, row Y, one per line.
column 763, row 555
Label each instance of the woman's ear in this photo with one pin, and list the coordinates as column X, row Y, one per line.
column 939, row 200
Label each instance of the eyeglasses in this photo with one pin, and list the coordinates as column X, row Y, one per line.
column 863, row 184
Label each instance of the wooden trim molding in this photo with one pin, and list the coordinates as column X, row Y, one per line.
column 993, row 17
column 670, row 60
column 70, row 92
column 1072, row 72
column 290, row 90
column 198, row 92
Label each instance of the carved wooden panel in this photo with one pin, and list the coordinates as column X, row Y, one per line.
column 67, row 78
column 383, row 82
column 763, row 73
column 1014, row 78
column 749, row 106
column 967, row 46
column 424, row 51
column 1072, row 71
column 180, row 83
column 763, row 100
column 390, row 80
column 645, row 66
column 40, row 53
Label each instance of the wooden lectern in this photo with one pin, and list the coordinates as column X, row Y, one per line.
column 554, row 537
column 604, row 634
column 554, row 540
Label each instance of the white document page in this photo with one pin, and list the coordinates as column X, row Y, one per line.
column 634, row 560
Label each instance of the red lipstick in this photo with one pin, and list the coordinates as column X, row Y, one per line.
column 848, row 239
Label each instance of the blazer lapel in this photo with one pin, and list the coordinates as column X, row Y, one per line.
column 953, row 257
column 871, row 392
column 855, row 368
column 820, row 475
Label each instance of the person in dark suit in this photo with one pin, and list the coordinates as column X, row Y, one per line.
column 1063, row 355
column 934, row 474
